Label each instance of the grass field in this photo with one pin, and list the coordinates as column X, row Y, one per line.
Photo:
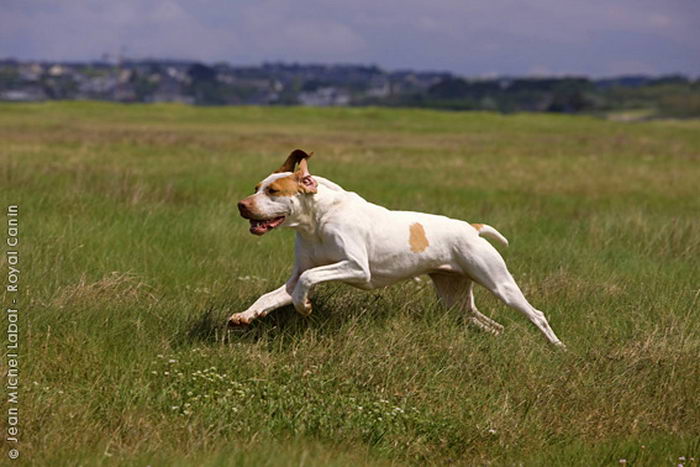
column 132, row 258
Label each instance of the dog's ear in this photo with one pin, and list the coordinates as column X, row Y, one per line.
column 293, row 159
column 304, row 178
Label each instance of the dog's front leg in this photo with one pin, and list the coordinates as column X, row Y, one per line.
column 265, row 304
column 347, row 271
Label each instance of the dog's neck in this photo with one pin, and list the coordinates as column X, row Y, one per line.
column 314, row 208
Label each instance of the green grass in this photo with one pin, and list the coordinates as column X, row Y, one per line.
column 132, row 258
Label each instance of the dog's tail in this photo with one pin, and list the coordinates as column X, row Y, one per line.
column 489, row 232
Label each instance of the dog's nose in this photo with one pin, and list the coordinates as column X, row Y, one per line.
column 243, row 208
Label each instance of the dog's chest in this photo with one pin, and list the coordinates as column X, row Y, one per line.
column 321, row 253
column 323, row 256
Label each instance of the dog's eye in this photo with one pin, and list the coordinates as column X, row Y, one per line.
column 272, row 191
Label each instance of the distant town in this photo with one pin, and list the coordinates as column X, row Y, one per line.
column 189, row 82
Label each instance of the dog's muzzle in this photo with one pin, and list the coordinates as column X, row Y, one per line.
column 258, row 226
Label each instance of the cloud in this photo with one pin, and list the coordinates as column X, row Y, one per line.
column 503, row 36
column 86, row 29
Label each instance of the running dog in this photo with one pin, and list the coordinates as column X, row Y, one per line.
column 342, row 237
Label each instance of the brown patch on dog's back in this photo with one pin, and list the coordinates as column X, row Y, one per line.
column 478, row 226
column 417, row 239
column 286, row 186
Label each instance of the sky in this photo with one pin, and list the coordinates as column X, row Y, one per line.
column 468, row 37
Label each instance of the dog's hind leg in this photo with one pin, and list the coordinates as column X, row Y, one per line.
column 457, row 291
column 495, row 327
column 489, row 269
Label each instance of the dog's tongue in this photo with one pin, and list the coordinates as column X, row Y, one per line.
column 262, row 227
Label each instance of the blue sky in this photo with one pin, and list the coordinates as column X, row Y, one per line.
column 476, row 38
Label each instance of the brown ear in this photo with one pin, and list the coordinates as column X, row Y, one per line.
column 303, row 169
column 293, row 159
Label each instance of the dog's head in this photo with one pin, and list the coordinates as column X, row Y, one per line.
column 279, row 198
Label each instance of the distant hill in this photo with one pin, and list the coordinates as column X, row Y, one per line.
column 190, row 82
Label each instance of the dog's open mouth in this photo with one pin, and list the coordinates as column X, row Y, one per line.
column 260, row 227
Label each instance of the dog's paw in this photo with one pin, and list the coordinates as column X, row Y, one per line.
column 239, row 319
column 303, row 306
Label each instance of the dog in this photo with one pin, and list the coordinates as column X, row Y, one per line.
column 342, row 237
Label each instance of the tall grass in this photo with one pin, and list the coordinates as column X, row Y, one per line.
column 132, row 258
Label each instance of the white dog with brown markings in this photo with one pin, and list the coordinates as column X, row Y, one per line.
column 342, row 237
